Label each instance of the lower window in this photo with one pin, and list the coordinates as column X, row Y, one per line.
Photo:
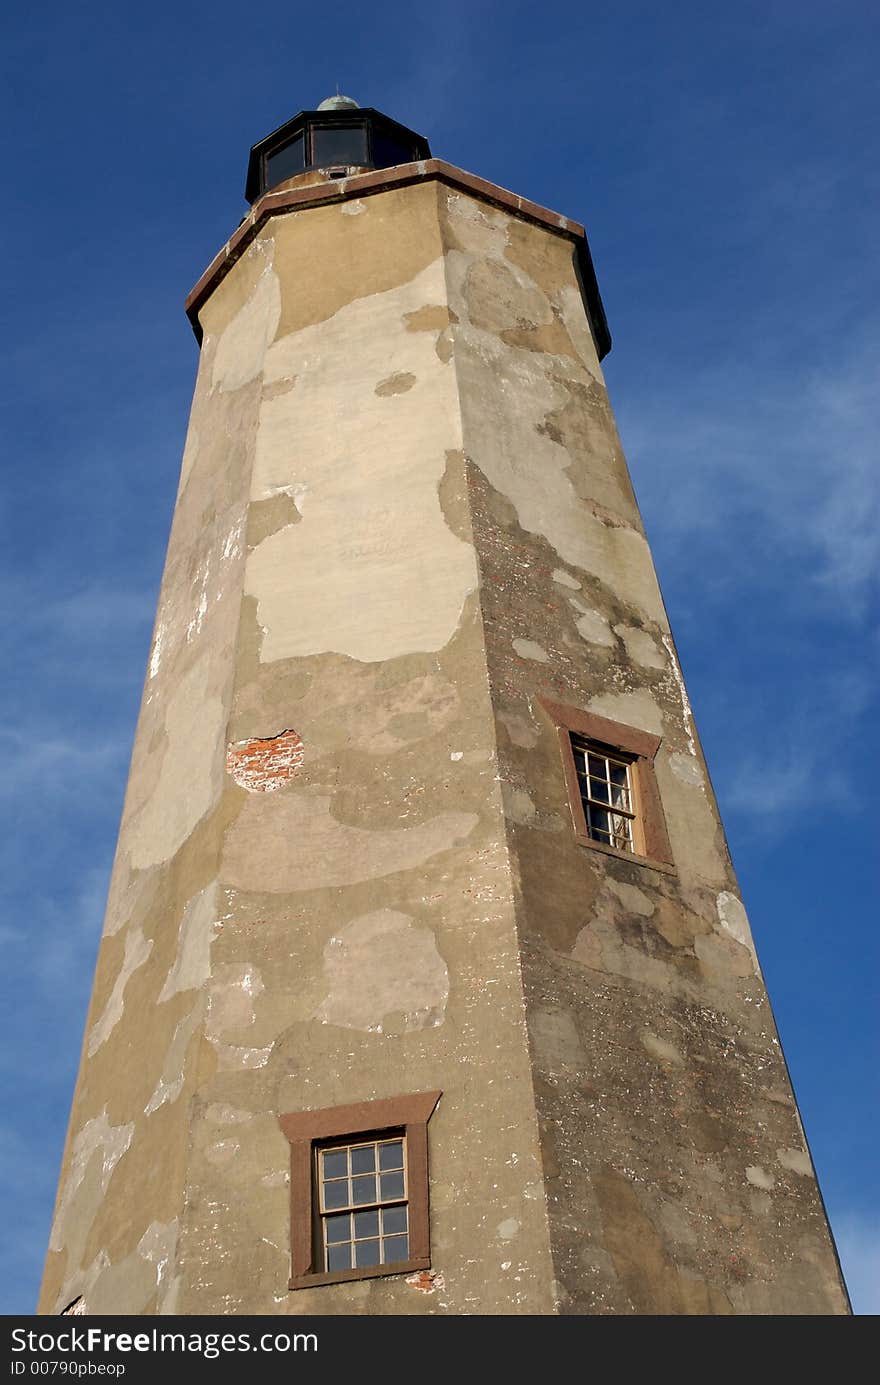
column 364, row 1217
column 359, row 1189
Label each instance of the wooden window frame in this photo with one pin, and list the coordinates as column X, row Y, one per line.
column 651, row 839
column 309, row 1130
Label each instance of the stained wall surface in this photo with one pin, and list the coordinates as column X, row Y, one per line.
column 677, row 1174
column 346, row 868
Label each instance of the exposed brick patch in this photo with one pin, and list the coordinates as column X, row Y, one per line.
column 427, row 1281
column 262, row 766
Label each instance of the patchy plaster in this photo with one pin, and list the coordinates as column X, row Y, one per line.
column 94, row 1154
column 329, row 852
column 687, row 769
column 235, row 987
column 641, row 647
column 528, row 649
column 661, row 1049
column 241, row 349
column 137, row 950
column 374, row 511
column 636, row 708
column 522, row 732
column 734, row 921
column 796, row 1160
column 190, row 775
column 687, row 714
column 565, row 579
column 760, row 1178
column 170, row 1083
column 518, row 805
column 592, row 625
column 192, row 960
column 398, row 383
column 383, row 967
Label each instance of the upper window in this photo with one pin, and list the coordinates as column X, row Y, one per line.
column 612, row 789
column 359, row 1190
column 605, row 780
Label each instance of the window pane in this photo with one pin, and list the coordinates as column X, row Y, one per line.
column 599, row 789
column 393, row 1220
column 599, row 819
column 387, row 151
column 396, row 1248
column 363, row 1160
column 334, row 1163
column 366, row 1224
column 392, row 1186
column 367, row 1253
column 620, row 796
column 335, row 145
column 363, row 1190
column 618, row 773
column 597, row 766
column 336, row 1194
column 286, row 162
column 391, row 1155
column 339, row 1257
column 338, row 1228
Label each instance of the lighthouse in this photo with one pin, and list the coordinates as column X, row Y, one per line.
column 425, row 985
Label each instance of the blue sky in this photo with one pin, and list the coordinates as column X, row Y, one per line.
column 726, row 164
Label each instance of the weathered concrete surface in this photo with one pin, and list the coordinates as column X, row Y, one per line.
column 658, row 1072
column 346, row 868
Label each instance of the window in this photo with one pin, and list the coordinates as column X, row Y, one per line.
column 606, row 788
column 359, row 1190
column 612, row 789
column 285, row 162
column 339, row 144
column 364, row 1218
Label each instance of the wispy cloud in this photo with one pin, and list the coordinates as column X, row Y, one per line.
column 770, row 468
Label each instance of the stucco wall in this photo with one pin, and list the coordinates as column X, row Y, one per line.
column 677, row 1174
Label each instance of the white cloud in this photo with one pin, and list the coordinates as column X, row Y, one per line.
column 769, row 466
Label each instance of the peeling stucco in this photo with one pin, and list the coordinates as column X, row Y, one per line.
column 94, row 1154
column 137, row 950
column 371, row 471
column 384, row 965
column 190, row 773
column 263, row 765
column 192, row 960
column 328, row 852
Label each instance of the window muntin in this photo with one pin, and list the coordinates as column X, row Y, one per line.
column 605, row 782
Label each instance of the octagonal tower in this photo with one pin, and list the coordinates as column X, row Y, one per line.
column 425, row 984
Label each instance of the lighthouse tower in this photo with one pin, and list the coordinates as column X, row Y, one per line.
column 425, row 984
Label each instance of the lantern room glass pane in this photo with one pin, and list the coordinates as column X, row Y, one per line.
column 335, row 144
column 286, row 162
column 388, row 151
